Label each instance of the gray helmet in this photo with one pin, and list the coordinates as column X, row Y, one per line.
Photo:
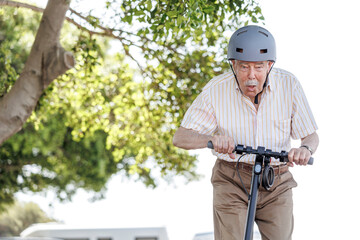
column 252, row 44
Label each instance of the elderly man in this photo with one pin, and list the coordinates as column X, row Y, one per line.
column 253, row 105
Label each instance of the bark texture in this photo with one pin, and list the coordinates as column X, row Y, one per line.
column 47, row 61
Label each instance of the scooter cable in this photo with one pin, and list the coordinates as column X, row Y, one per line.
column 238, row 173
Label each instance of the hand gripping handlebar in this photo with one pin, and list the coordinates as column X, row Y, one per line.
column 282, row 156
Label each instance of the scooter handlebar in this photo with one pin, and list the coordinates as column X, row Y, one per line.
column 261, row 150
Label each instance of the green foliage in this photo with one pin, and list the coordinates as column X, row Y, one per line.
column 181, row 45
column 14, row 43
column 106, row 115
column 34, row 160
column 19, row 216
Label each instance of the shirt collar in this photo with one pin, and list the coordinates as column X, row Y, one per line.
column 270, row 84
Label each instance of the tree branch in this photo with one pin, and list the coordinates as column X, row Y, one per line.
column 106, row 31
column 19, row 4
column 47, row 60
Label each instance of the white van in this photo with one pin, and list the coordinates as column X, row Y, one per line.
column 204, row 236
column 61, row 231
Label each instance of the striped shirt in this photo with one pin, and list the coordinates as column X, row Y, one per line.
column 283, row 113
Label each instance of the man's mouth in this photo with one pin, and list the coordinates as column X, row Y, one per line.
column 251, row 87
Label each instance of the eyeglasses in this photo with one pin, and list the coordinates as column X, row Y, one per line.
column 244, row 67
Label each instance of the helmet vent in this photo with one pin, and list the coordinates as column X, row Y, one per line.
column 262, row 51
column 240, row 50
column 264, row 33
column 241, row 32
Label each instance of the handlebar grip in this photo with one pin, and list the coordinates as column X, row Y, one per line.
column 210, row 145
column 310, row 162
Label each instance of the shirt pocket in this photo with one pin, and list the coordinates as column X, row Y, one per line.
column 281, row 133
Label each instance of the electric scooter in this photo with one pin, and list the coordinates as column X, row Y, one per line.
column 262, row 165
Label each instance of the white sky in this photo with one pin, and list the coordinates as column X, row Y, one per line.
column 318, row 42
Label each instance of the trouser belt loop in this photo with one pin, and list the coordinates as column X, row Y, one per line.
column 279, row 173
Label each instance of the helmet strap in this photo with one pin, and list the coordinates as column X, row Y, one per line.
column 232, row 69
column 256, row 100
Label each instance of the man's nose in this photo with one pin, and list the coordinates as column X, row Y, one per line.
column 251, row 74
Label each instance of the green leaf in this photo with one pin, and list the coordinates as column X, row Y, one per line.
column 160, row 27
column 172, row 14
column 209, row 9
column 148, row 5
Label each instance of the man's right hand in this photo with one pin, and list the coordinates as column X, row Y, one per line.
column 223, row 144
column 190, row 139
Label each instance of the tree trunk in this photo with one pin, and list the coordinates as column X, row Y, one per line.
column 47, row 61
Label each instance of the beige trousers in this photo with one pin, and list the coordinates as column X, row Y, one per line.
column 274, row 211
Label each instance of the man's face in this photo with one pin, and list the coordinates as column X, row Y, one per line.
column 251, row 76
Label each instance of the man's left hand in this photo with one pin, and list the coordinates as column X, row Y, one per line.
column 299, row 156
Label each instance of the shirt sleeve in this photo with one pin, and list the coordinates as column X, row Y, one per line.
column 303, row 122
column 201, row 116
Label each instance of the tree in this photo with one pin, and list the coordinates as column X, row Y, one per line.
column 104, row 116
column 20, row 216
column 47, row 61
